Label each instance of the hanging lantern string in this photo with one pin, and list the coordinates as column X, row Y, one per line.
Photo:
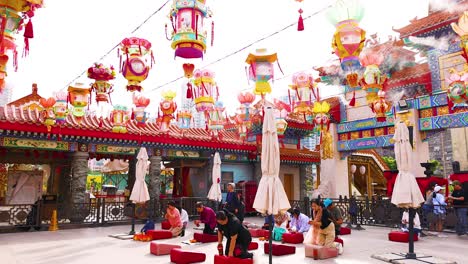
column 118, row 44
column 245, row 47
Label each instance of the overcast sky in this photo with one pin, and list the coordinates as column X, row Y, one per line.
column 71, row 35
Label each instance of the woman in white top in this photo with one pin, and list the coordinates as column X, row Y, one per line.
column 405, row 223
column 184, row 218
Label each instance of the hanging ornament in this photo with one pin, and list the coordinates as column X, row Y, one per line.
column 101, row 86
column 138, row 61
column 139, row 114
column 61, row 108
column 300, row 22
column 261, row 70
column 322, row 123
column 184, row 118
column 380, row 107
column 373, row 80
column 78, row 96
column 188, row 28
column 47, row 113
column 457, row 90
column 205, row 92
column 216, row 119
column 15, row 16
column 167, row 107
column 348, row 40
column 303, row 88
column 462, row 30
column 119, row 118
column 188, row 73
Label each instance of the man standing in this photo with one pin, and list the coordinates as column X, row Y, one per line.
column 232, row 201
column 173, row 216
column 299, row 222
column 236, row 234
column 460, row 198
column 208, row 217
column 335, row 214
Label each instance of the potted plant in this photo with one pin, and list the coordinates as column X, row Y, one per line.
column 391, row 162
column 430, row 166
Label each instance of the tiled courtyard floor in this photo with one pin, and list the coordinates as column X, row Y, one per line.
column 92, row 245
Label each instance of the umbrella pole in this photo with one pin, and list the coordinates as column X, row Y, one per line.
column 270, row 240
column 411, row 254
column 132, row 232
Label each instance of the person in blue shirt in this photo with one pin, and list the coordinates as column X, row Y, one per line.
column 438, row 201
column 299, row 222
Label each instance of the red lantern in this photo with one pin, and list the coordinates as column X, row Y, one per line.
column 380, row 107
column 139, row 114
column 167, row 107
column 47, row 114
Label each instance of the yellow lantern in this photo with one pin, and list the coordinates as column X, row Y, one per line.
column 322, row 122
column 119, row 118
column 261, row 70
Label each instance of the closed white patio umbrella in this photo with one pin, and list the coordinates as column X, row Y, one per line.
column 406, row 192
column 215, row 190
column 271, row 197
column 140, row 190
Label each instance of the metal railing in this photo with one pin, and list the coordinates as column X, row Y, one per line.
column 378, row 211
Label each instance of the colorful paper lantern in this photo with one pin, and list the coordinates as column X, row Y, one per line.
column 373, row 80
column 13, row 17
column 101, row 86
column 188, row 28
column 380, row 107
column 139, row 114
column 322, row 123
column 119, row 118
column 78, row 95
column 457, row 86
column 349, row 39
column 167, row 107
column 281, row 126
column 462, row 30
column 261, row 70
column 205, row 91
column 47, row 113
column 138, row 61
column 303, row 87
column 216, row 119
column 61, row 108
column 184, row 118
column 246, row 100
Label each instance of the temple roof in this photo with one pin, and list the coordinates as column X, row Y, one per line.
column 418, row 74
column 28, row 120
column 32, row 98
column 434, row 20
column 300, row 156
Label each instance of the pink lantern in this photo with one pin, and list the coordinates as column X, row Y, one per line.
column 303, row 87
column 138, row 61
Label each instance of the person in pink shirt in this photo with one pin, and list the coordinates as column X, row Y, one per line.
column 173, row 216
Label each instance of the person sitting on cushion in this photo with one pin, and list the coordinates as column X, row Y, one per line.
column 236, row 234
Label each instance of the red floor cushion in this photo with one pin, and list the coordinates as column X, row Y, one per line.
column 159, row 234
column 165, row 225
column 205, row 238
column 180, row 256
column 319, row 252
column 399, row 236
column 253, row 246
column 231, row 260
column 159, row 249
column 339, row 240
column 259, row 232
column 279, row 250
column 345, row 231
column 293, row 238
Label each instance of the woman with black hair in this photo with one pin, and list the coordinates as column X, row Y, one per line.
column 237, row 235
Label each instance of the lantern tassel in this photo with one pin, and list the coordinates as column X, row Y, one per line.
column 289, row 96
column 353, row 100
column 196, row 27
column 28, row 34
column 279, row 66
column 300, row 22
column 189, row 91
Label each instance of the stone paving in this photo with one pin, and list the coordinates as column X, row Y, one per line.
column 93, row 245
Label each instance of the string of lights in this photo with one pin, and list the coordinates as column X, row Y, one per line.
column 118, row 44
column 244, row 47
